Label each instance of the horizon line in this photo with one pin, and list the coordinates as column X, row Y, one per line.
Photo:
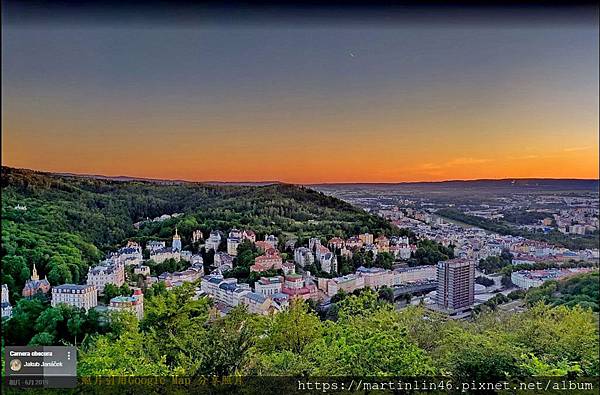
column 139, row 178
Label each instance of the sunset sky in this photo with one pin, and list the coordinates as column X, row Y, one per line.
column 302, row 103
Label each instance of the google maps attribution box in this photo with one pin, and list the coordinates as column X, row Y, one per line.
column 49, row 367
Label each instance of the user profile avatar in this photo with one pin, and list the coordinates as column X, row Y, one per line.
column 15, row 365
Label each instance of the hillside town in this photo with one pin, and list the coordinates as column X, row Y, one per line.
column 471, row 242
column 448, row 286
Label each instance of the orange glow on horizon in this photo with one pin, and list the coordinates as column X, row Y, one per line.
column 275, row 167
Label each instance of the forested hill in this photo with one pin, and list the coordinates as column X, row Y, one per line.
column 71, row 221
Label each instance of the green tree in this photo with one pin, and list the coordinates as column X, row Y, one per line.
column 386, row 294
column 292, row 329
column 384, row 260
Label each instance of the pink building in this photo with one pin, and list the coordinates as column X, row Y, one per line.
column 249, row 235
column 271, row 260
column 354, row 242
column 336, row 242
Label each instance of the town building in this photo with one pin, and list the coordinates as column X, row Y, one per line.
column 163, row 254
column 354, row 242
column 142, row 270
column 295, row 286
column 366, row 238
column 263, row 246
column 280, row 301
column 224, row 290
column 107, row 272
column 256, row 303
column 414, row 274
column 6, row 306
column 249, row 235
column 526, row 279
column 234, row 239
column 186, row 256
column 223, row 261
column 133, row 303
column 372, row 248
column 270, row 260
column 326, row 259
column 154, row 245
column 196, row 259
column 382, row 243
column 375, row 277
column 189, row 275
column 130, row 255
column 288, row 268
column 336, row 243
column 268, row 286
column 346, row 252
column 272, row 240
column 197, row 236
column 213, row 241
column 80, row 296
column 348, row 283
column 456, row 284
column 303, row 256
column 313, row 243
column 34, row 286
column 176, row 244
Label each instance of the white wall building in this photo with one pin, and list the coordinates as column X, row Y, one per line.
column 348, row 283
column 213, row 241
column 303, row 256
column 108, row 272
column 6, row 307
column 268, row 286
column 415, row 274
column 81, row 296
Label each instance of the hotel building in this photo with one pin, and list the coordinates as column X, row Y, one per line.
column 81, row 296
column 456, row 284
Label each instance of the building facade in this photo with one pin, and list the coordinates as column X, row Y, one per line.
column 414, row 274
column 375, row 277
column 6, row 306
column 213, row 241
column 234, row 239
column 80, row 296
column 348, row 283
column 133, row 304
column 108, row 272
column 176, row 244
column 303, row 256
column 268, row 286
column 456, row 284
column 271, row 260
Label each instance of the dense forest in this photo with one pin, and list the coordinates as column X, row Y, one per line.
column 582, row 290
column 366, row 336
column 505, row 228
column 71, row 222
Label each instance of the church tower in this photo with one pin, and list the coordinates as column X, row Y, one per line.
column 176, row 246
column 34, row 275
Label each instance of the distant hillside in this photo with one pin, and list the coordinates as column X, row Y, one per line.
column 509, row 183
column 71, row 221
